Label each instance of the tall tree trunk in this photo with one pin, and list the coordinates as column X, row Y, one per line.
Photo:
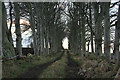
column 91, row 34
column 83, row 39
column 42, row 38
column 116, row 44
column 8, row 49
column 32, row 24
column 18, row 30
column 118, row 27
column 1, row 32
column 117, row 40
column 98, row 28
column 9, row 32
column 83, row 35
column 38, row 30
column 46, row 38
column 107, row 30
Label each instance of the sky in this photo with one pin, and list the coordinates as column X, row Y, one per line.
column 65, row 43
column 26, row 41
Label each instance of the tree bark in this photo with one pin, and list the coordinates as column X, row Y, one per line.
column 107, row 30
column 8, row 49
column 32, row 24
column 83, row 41
column 9, row 32
column 18, row 30
column 91, row 34
column 118, row 27
column 117, row 39
column 83, row 37
column 98, row 28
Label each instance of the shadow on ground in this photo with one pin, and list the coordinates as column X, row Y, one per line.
column 72, row 68
column 36, row 71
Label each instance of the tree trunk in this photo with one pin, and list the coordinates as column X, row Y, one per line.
column 18, row 30
column 116, row 44
column 9, row 32
column 117, row 40
column 32, row 24
column 91, row 35
column 83, row 42
column 88, row 45
column 8, row 49
column 98, row 28
column 107, row 30
column 1, row 32
column 118, row 27
column 91, row 39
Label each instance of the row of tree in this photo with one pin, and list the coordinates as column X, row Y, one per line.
column 45, row 23
column 89, row 23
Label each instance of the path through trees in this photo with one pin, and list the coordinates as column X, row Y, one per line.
column 92, row 29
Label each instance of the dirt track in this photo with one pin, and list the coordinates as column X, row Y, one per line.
column 37, row 70
column 72, row 68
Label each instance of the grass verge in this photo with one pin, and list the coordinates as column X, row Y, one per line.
column 13, row 68
column 94, row 66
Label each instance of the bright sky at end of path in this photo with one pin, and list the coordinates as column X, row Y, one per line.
column 65, row 43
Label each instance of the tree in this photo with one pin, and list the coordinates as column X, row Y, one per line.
column 91, row 36
column 98, row 15
column 117, row 40
column 106, row 30
column 18, row 30
column 8, row 49
column 33, row 26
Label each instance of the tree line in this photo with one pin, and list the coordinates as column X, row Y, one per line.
column 88, row 22
column 91, row 22
column 45, row 23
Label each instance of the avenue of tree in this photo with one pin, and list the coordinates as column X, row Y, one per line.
column 86, row 23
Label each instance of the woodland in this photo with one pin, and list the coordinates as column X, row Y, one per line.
column 92, row 30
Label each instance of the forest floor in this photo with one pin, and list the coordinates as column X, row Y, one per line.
column 67, row 65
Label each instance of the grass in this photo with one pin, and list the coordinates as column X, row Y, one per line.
column 13, row 68
column 56, row 70
column 100, row 67
column 93, row 65
column 78, row 58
